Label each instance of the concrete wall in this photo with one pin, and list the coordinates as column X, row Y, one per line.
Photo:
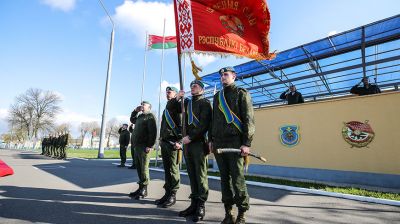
column 322, row 154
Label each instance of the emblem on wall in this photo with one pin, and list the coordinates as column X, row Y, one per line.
column 358, row 134
column 289, row 135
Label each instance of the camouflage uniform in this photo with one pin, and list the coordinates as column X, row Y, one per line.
column 124, row 137
column 224, row 135
column 169, row 155
column 144, row 135
column 196, row 154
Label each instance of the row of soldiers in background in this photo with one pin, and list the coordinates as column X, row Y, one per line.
column 55, row 146
column 229, row 125
column 294, row 97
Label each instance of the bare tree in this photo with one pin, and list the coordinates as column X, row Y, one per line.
column 112, row 130
column 84, row 128
column 7, row 138
column 63, row 128
column 34, row 111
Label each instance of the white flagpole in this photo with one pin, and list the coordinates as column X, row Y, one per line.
column 159, row 94
column 100, row 154
column 144, row 67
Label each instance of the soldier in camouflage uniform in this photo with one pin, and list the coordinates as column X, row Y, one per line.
column 124, row 137
column 64, row 146
column 43, row 146
column 232, row 127
column 52, row 144
column 47, row 146
column 143, row 138
column 198, row 112
column 58, row 146
column 170, row 136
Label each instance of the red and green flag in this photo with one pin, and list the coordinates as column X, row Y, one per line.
column 156, row 42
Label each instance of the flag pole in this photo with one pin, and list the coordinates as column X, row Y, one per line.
column 159, row 94
column 181, row 84
column 183, row 115
column 179, row 157
column 144, row 68
column 100, row 154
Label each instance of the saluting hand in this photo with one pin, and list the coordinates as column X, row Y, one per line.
column 147, row 150
column 139, row 108
column 245, row 150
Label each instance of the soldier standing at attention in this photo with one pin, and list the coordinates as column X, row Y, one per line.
column 366, row 89
column 198, row 113
column 124, row 137
column 170, row 136
column 59, row 144
column 143, row 138
column 63, row 145
column 43, row 146
column 232, row 127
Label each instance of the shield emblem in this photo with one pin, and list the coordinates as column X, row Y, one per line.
column 289, row 135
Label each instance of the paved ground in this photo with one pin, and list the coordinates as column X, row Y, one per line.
column 45, row 190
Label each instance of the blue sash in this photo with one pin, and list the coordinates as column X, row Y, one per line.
column 230, row 117
column 192, row 119
column 171, row 122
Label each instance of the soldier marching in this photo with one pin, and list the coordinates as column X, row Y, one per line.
column 55, row 145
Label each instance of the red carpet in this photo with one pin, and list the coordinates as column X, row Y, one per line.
column 5, row 170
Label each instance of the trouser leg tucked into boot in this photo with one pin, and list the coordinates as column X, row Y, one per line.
column 200, row 211
column 229, row 218
column 171, row 200
column 134, row 193
column 142, row 193
column 241, row 217
column 163, row 199
column 189, row 210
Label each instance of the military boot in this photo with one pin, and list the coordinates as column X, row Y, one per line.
column 134, row 193
column 189, row 210
column 229, row 218
column 142, row 193
column 241, row 218
column 171, row 200
column 163, row 199
column 200, row 211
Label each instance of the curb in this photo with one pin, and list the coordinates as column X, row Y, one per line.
column 310, row 191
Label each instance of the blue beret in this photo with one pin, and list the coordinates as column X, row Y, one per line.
column 198, row 82
column 226, row 69
column 171, row 88
column 146, row 102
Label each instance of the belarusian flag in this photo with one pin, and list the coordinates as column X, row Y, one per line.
column 156, row 42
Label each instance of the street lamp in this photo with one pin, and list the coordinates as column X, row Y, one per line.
column 103, row 117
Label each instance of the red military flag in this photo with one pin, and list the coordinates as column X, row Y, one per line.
column 239, row 27
column 156, row 42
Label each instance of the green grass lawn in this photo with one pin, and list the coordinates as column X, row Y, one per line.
column 344, row 190
column 92, row 153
